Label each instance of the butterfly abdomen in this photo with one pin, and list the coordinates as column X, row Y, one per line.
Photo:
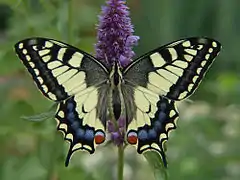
column 116, row 103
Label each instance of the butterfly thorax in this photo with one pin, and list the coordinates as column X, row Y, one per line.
column 115, row 76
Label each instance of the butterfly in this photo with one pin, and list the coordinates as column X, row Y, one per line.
column 144, row 92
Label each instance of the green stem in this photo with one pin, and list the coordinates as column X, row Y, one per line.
column 120, row 147
column 52, row 150
column 120, row 162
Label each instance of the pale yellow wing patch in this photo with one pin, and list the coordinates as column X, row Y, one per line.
column 146, row 102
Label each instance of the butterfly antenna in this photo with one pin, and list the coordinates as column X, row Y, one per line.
column 106, row 58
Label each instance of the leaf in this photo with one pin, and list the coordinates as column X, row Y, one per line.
column 155, row 161
column 43, row 116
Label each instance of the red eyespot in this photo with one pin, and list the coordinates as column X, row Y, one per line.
column 132, row 138
column 99, row 137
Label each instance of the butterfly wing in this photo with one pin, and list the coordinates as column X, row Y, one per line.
column 58, row 69
column 150, row 119
column 174, row 70
column 77, row 81
column 154, row 81
column 82, row 119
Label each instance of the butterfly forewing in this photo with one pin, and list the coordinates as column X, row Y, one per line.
column 74, row 79
column 174, row 70
column 58, row 69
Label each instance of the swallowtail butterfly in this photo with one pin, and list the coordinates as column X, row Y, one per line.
column 144, row 92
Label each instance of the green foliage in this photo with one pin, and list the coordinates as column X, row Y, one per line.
column 206, row 143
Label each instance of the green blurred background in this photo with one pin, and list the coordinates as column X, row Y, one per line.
column 206, row 144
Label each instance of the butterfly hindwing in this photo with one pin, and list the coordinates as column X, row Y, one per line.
column 58, row 69
column 154, row 117
column 82, row 119
column 174, row 70
column 81, row 122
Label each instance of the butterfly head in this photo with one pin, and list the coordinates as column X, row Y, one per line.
column 116, row 74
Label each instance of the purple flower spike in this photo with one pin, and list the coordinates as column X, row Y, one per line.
column 115, row 34
column 117, row 133
column 110, row 125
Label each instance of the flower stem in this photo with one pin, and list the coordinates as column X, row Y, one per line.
column 120, row 162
